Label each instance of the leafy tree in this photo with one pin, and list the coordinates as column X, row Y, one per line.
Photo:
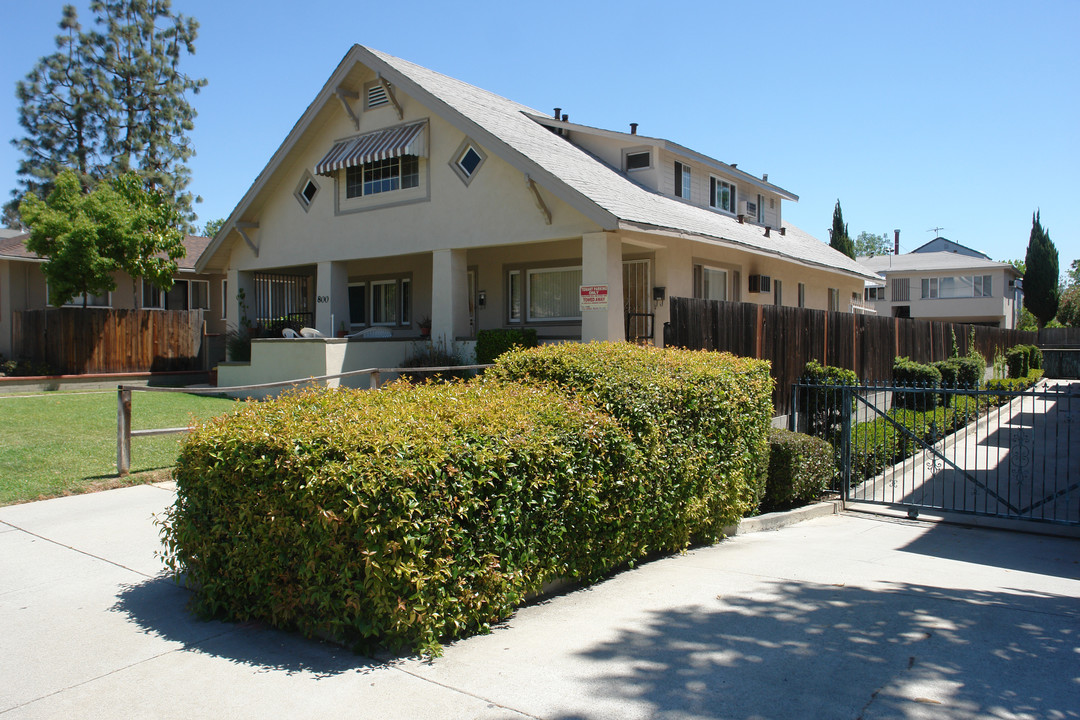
column 1020, row 265
column 112, row 100
column 86, row 237
column 868, row 243
column 212, row 227
column 1041, row 276
column 839, row 238
column 1069, row 307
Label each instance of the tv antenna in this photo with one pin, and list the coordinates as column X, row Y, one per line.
column 936, row 231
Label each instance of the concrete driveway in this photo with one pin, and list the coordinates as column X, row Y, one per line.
column 839, row 617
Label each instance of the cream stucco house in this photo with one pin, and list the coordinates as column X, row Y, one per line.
column 403, row 195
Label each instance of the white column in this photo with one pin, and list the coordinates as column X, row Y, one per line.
column 449, row 295
column 662, row 277
column 601, row 264
column 331, row 298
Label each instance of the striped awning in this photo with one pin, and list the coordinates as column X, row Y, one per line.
column 379, row 145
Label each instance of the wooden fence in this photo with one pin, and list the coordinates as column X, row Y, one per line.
column 789, row 337
column 73, row 341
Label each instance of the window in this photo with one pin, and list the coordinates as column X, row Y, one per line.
column 100, row 301
column 638, row 160
column 358, row 303
column 722, row 195
column 306, row 190
column 391, row 301
column 382, row 176
column 710, row 283
column 198, row 295
column 957, row 286
column 984, row 286
column 224, row 298
column 929, row 288
column 546, row 295
column 467, row 160
column 184, row 295
column 682, row 180
column 874, row 293
column 778, row 293
column 802, row 295
column 152, row 297
column 901, row 289
column 834, row 299
column 761, row 208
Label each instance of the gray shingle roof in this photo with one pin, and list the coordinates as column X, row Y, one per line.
column 15, row 248
column 927, row 261
column 629, row 205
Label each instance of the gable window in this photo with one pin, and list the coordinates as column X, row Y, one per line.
column 710, row 283
column 382, row 176
column 544, row 294
column 722, row 195
column 638, row 160
column 467, row 160
column 306, row 190
column 682, row 180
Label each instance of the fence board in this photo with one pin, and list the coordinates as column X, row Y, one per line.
column 789, row 337
column 77, row 341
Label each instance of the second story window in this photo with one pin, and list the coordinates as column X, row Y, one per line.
column 638, row 160
column 682, row 180
column 722, row 195
column 382, row 176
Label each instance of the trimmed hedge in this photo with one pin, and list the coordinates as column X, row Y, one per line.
column 800, row 470
column 963, row 372
column 824, row 406
column 700, row 418
column 490, row 344
column 909, row 372
column 402, row 516
column 1021, row 359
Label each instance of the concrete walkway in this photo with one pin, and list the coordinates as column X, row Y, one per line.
column 839, row 617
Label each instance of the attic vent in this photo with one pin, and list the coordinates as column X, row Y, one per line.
column 760, row 284
column 376, row 96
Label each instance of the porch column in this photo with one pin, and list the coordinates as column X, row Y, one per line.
column 664, row 277
column 331, row 298
column 449, row 295
column 601, row 264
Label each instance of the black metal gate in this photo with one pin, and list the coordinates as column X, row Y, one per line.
column 983, row 452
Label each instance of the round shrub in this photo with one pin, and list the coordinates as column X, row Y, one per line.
column 800, row 470
column 403, row 516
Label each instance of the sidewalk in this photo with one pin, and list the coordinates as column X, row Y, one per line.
column 843, row 616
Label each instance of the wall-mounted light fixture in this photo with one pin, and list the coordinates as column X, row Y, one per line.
column 481, row 298
column 658, row 295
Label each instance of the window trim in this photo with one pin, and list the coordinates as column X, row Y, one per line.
column 715, row 184
column 306, row 179
column 627, row 152
column 699, row 269
column 523, row 271
column 459, row 154
column 144, row 286
column 404, row 305
column 683, row 180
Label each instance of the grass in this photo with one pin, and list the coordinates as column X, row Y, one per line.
column 65, row 443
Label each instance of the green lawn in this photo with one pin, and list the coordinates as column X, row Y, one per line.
column 64, row 443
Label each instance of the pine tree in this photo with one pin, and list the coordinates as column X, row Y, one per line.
column 112, row 100
column 1041, row 274
column 839, row 238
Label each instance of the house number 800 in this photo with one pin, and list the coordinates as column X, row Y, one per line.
column 322, row 299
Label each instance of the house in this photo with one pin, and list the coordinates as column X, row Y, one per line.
column 23, row 287
column 946, row 281
column 402, row 195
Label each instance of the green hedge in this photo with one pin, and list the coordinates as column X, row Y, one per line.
column 402, row 516
column 909, row 372
column 1021, row 359
column 963, row 372
column 490, row 344
column 800, row 470
column 824, row 406
column 700, row 418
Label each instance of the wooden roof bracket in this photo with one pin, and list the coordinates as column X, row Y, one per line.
column 241, row 227
column 393, row 98
column 345, row 95
column 539, row 199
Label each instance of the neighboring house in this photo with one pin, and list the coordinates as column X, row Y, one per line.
column 23, row 287
column 403, row 195
column 946, row 281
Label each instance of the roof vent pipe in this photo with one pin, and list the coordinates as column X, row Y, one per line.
column 767, row 229
column 633, row 128
column 765, row 177
column 896, row 242
column 565, row 117
column 558, row 111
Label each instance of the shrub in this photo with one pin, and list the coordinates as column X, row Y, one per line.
column 430, row 353
column 23, row 368
column 401, row 516
column 1018, row 358
column 490, row 344
column 700, row 418
column 907, row 372
column 800, row 470
column 824, row 406
column 1035, row 358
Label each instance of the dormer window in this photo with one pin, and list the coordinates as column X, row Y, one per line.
column 638, row 160
column 682, row 180
column 722, row 195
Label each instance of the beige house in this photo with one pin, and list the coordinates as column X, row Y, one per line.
column 403, row 196
column 23, row 287
column 948, row 282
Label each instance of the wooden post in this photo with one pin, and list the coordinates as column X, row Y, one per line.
column 759, row 330
column 123, row 430
column 374, row 385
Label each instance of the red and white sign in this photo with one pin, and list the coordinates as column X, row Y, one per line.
column 594, row 297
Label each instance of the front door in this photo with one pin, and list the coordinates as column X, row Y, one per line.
column 637, row 300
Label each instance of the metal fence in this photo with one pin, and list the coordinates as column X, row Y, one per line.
column 989, row 452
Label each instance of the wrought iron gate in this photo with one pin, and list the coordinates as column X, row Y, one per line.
column 983, row 452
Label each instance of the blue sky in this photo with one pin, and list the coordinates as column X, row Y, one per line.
column 916, row 115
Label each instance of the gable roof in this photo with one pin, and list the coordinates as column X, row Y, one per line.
column 599, row 192
column 947, row 242
column 930, row 261
column 14, row 248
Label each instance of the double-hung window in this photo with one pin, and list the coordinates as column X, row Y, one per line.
column 544, row 294
column 682, row 180
column 929, row 288
column 984, row 286
column 710, row 283
column 722, row 195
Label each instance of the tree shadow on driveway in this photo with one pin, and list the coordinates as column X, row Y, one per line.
column 895, row 650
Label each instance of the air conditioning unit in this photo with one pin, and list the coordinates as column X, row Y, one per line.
column 748, row 208
column 760, row 284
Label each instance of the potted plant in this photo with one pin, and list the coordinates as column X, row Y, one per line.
column 425, row 326
column 342, row 332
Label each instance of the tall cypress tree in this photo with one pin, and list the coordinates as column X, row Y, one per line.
column 1041, row 273
column 839, row 238
column 112, row 100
